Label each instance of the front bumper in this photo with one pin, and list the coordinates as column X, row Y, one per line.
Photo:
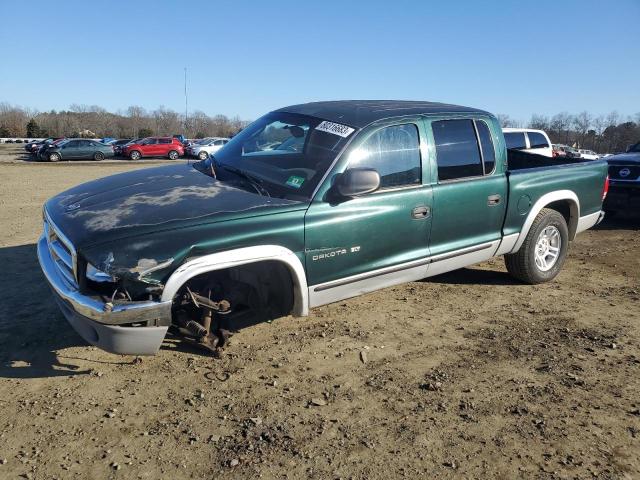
column 623, row 196
column 100, row 323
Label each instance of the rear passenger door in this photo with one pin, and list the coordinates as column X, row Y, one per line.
column 164, row 146
column 86, row 149
column 469, row 195
column 150, row 148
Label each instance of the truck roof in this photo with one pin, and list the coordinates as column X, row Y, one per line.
column 359, row 113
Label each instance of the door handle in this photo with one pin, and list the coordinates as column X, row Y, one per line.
column 493, row 200
column 421, row 212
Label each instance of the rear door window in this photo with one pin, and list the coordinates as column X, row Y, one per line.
column 457, row 152
column 537, row 140
column 515, row 140
column 166, row 140
column 486, row 145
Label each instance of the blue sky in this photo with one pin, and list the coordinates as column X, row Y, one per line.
column 246, row 58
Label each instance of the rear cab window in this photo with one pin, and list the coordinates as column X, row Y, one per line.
column 537, row 140
column 515, row 140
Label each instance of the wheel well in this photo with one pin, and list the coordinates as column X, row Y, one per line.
column 569, row 210
column 263, row 290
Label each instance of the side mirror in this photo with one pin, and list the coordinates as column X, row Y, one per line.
column 357, row 181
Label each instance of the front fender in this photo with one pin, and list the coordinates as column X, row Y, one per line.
column 243, row 256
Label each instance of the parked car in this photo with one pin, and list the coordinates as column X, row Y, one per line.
column 41, row 151
column 77, row 149
column 206, row 146
column 588, row 154
column 119, row 149
column 181, row 138
column 624, row 172
column 117, row 144
column 528, row 140
column 558, row 150
column 254, row 233
column 31, row 146
column 155, row 147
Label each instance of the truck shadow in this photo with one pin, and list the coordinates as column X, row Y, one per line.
column 619, row 221
column 473, row 276
column 32, row 330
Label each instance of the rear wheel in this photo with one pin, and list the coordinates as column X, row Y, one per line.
column 98, row 156
column 544, row 250
column 135, row 155
column 203, row 155
column 54, row 157
column 173, row 155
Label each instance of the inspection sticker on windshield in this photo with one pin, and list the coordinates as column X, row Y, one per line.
column 335, row 128
column 295, row 182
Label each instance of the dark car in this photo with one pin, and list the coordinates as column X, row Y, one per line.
column 624, row 181
column 77, row 149
column 41, row 148
column 32, row 147
column 119, row 144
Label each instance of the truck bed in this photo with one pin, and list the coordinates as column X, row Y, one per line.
column 519, row 160
column 533, row 176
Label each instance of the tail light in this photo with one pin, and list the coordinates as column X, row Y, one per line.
column 605, row 188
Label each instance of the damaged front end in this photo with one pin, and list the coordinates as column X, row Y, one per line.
column 105, row 316
column 197, row 311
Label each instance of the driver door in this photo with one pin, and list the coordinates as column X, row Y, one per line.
column 360, row 244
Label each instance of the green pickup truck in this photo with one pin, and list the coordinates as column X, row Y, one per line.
column 308, row 205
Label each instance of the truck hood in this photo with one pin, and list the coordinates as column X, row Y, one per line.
column 153, row 199
column 623, row 158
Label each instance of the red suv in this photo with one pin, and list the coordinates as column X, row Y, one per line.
column 155, row 147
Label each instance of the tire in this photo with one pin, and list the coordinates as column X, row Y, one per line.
column 535, row 262
column 203, row 155
column 98, row 156
column 173, row 155
column 54, row 157
column 135, row 155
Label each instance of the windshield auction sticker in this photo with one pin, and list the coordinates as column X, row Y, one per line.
column 295, row 182
column 335, row 128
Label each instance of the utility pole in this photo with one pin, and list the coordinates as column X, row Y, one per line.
column 186, row 101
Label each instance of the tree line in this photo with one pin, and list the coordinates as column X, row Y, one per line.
column 95, row 121
column 603, row 133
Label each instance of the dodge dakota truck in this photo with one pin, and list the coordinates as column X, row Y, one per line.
column 308, row 205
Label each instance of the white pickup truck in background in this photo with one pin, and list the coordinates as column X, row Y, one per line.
column 528, row 140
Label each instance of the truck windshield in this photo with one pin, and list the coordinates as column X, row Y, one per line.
column 287, row 153
column 634, row 148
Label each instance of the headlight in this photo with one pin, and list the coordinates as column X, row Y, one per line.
column 98, row 275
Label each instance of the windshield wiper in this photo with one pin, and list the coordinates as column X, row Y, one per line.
column 253, row 181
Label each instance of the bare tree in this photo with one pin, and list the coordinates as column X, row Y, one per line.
column 581, row 123
column 560, row 124
column 539, row 122
column 506, row 121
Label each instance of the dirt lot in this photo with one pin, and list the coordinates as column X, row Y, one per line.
column 467, row 375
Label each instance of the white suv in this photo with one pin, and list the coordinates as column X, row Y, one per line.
column 528, row 140
column 206, row 146
column 588, row 154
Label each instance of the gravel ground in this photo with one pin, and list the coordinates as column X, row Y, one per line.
column 466, row 375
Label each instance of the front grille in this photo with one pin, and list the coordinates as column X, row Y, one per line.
column 619, row 172
column 62, row 252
